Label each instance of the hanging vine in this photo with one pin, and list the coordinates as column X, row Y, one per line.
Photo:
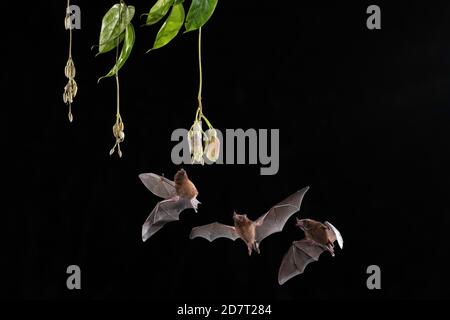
column 117, row 28
column 200, row 11
column 117, row 32
column 71, row 88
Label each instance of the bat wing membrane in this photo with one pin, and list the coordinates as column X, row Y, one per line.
column 334, row 234
column 165, row 211
column 213, row 231
column 275, row 219
column 158, row 185
column 300, row 254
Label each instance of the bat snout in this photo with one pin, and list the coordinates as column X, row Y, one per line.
column 300, row 224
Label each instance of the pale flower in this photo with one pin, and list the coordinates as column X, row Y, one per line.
column 119, row 134
column 190, row 141
column 69, row 69
column 70, row 91
column 197, row 146
column 212, row 145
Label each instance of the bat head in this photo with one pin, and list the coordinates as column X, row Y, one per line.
column 182, row 172
column 180, row 176
column 239, row 218
column 304, row 224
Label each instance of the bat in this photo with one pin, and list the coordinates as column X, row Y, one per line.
column 319, row 237
column 178, row 195
column 253, row 232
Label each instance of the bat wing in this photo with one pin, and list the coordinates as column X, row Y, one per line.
column 275, row 219
column 213, row 231
column 165, row 211
column 158, row 185
column 334, row 234
column 299, row 255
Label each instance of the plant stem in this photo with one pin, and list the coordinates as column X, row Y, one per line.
column 207, row 121
column 118, row 98
column 199, row 97
column 117, row 74
column 70, row 54
column 70, row 31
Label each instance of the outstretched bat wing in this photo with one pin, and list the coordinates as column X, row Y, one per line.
column 158, row 185
column 275, row 219
column 213, row 231
column 165, row 211
column 299, row 255
column 334, row 234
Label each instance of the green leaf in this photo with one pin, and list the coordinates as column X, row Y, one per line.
column 112, row 44
column 125, row 53
column 199, row 13
column 158, row 11
column 171, row 26
column 114, row 24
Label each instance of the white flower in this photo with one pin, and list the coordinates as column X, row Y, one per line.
column 197, row 146
column 190, row 141
column 212, row 145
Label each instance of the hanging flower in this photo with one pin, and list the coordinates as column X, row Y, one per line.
column 119, row 134
column 69, row 69
column 195, row 134
column 212, row 145
column 196, row 142
column 70, row 90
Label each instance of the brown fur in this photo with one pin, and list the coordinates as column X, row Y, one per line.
column 245, row 228
column 317, row 232
column 183, row 186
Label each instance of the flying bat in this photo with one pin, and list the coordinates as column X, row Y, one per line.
column 253, row 232
column 319, row 237
column 178, row 195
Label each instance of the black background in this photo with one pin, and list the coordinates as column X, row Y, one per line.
column 363, row 118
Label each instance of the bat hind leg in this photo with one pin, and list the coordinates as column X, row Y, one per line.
column 256, row 247
column 249, row 249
